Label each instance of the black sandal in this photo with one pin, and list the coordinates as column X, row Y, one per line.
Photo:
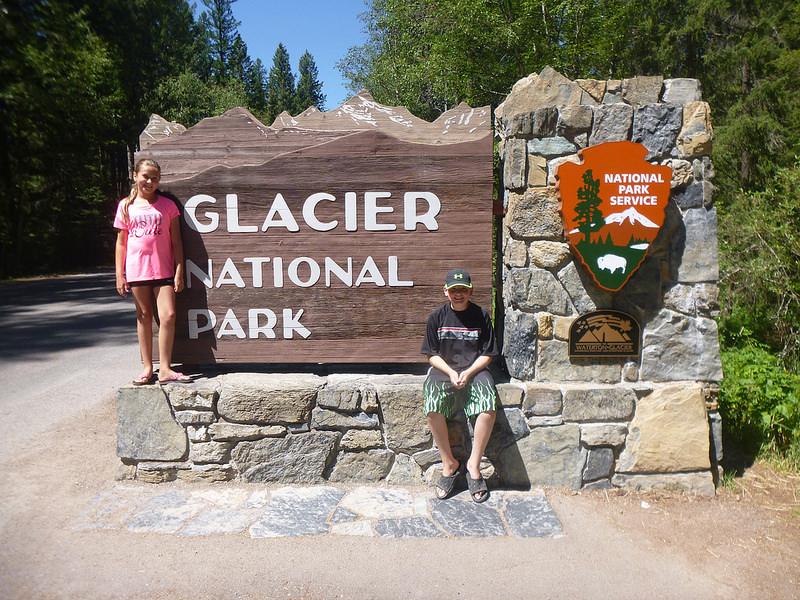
column 448, row 482
column 476, row 487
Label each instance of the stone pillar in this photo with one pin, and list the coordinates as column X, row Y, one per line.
column 635, row 423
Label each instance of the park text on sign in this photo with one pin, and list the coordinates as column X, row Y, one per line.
column 326, row 237
column 613, row 206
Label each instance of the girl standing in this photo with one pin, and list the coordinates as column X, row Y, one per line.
column 149, row 263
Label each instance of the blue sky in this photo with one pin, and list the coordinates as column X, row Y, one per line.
column 326, row 28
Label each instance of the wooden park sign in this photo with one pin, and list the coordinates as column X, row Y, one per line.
column 324, row 238
column 613, row 206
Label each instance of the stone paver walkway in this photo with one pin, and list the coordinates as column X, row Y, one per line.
column 317, row 510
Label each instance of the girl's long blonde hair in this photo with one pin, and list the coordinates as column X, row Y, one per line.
column 142, row 162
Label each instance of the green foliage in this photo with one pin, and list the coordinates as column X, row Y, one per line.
column 760, row 400
column 280, row 85
column 760, row 266
column 309, row 89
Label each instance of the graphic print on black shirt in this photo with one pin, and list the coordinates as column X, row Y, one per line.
column 459, row 337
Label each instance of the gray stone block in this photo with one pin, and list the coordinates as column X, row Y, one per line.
column 370, row 466
column 599, row 404
column 599, row 464
column 301, row 458
column 405, row 427
column 549, row 456
column 657, row 126
column 519, row 344
column 515, row 165
column 681, row 91
column 695, row 250
column 680, row 348
column 264, row 398
column 146, row 428
column 612, row 123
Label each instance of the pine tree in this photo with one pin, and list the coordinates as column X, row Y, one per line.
column 588, row 216
column 309, row 88
column 280, row 85
column 220, row 28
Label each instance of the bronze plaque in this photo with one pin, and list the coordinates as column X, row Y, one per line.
column 605, row 333
column 325, row 240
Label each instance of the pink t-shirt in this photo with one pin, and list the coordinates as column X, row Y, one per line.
column 150, row 255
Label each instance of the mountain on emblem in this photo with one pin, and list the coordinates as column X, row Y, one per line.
column 612, row 205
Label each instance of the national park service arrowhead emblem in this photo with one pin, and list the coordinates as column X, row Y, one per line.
column 613, row 206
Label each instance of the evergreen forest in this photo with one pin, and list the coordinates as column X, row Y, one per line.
column 78, row 81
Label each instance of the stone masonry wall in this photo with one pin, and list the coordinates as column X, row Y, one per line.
column 638, row 423
column 571, row 423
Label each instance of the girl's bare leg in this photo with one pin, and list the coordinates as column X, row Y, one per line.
column 143, row 299
column 165, row 301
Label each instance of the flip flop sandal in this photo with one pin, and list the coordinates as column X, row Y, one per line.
column 447, row 483
column 176, row 378
column 476, row 487
column 144, row 379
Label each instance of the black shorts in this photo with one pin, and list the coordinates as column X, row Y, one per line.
column 170, row 281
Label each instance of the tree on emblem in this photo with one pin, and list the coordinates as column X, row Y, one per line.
column 588, row 217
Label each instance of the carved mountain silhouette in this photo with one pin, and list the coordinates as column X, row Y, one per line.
column 632, row 216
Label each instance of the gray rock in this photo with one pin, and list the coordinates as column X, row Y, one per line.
column 531, row 517
column 584, row 294
column 407, row 527
column 519, row 344
column 549, row 456
column 509, row 394
column 234, row 432
column 612, row 123
column 574, row 119
column 348, row 394
column 551, row 146
column 690, row 197
column 554, row 364
column 642, row 90
column 681, row 91
column 543, row 121
column 361, row 439
column 195, row 417
column 541, row 400
column 146, row 429
column 405, row 427
column 297, row 511
column 192, row 397
column 322, row 418
column 613, row 93
column 210, row 452
column 373, row 465
column 535, row 215
column 599, row 404
column 462, row 519
column 603, row 434
column 515, row 165
column 268, row 398
column 679, row 348
column 536, row 290
column 599, row 464
column 696, row 250
column 405, row 471
column 656, row 126
column 301, row 458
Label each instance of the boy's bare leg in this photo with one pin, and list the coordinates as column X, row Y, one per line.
column 438, row 426
column 484, row 423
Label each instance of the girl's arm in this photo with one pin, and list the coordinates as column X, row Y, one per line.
column 177, row 250
column 119, row 261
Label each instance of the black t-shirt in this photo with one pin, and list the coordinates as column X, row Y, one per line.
column 459, row 337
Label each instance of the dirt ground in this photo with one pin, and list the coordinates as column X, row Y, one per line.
column 743, row 543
